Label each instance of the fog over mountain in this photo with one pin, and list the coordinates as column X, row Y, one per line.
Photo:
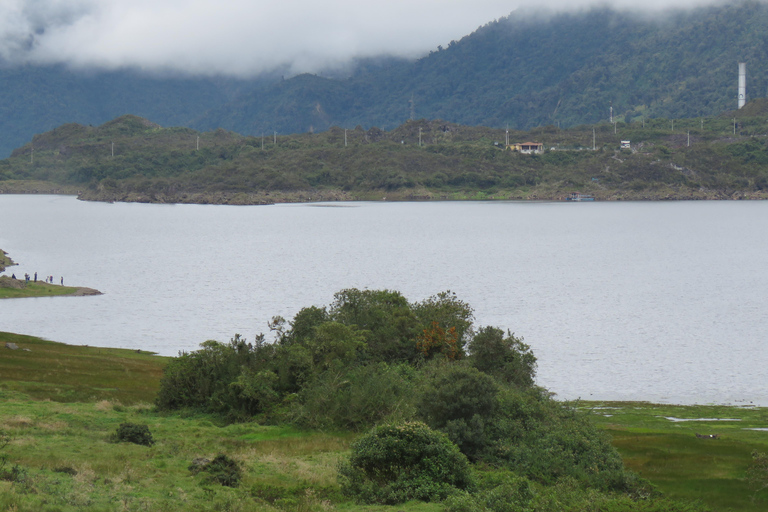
column 245, row 37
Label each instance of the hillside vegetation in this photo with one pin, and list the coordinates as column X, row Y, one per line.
column 133, row 159
column 286, row 426
column 368, row 403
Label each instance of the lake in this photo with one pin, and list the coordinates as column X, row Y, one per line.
column 657, row 301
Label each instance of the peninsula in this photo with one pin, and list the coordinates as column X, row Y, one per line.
column 14, row 288
column 135, row 160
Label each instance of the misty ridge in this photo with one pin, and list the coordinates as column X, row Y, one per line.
column 555, row 66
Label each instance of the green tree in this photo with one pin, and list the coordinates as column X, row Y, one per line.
column 460, row 401
column 506, row 358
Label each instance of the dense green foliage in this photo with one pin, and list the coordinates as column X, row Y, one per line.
column 398, row 463
column 347, row 365
column 373, row 358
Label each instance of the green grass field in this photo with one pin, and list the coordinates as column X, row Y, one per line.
column 60, row 405
column 668, row 453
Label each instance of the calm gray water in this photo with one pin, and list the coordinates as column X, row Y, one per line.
column 632, row 301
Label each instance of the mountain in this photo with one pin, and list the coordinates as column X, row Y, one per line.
column 36, row 99
column 533, row 70
column 524, row 70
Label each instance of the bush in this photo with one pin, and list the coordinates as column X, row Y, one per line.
column 221, row 470
column 396, row 463
column 134, row 433
column 514, row 494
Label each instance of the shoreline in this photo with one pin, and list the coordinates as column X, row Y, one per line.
column 409, row 195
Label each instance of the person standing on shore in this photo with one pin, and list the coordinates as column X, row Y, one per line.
column 62, row 280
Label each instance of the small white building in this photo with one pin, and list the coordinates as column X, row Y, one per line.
column 625, row 144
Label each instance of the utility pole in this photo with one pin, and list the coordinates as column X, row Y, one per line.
column 113, row 150
column 689, row 138
column 197, row 146
column 594, row 147
column 345, row 137
column 507, row 135
column 611, row 111
column 32, row 156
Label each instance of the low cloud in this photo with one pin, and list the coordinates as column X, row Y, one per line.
column 246, row 37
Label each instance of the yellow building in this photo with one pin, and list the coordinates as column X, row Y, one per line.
column 527, row 147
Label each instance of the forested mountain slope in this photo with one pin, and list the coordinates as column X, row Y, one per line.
column 36, row 99
column 524, row 70
column 532, row 70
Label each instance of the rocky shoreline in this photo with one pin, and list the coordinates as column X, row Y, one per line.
column 417, row 194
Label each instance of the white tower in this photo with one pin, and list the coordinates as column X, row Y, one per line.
column 742, row 84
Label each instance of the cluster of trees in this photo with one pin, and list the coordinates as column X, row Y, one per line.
column 429, row 384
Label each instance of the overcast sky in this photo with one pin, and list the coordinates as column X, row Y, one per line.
column 245, row 37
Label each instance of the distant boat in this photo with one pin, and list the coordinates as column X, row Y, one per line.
column 575, row 196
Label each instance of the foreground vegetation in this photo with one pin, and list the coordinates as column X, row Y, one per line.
column 132, row 159
column 458, row 425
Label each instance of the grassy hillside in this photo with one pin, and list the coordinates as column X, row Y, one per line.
column 66, row 373
column 133, row 159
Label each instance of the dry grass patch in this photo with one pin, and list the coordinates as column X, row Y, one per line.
column 53, row 426
column 18, row 422
column 103, row 405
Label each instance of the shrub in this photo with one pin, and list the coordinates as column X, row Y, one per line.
column 134, row 433
column 513, row 494
column 221, row 470
column 396, row 463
